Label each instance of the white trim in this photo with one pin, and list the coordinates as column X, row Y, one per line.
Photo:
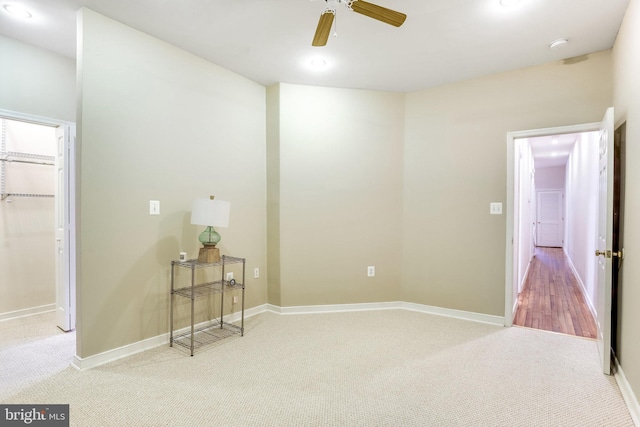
column 509, row 235
column 393, row 305
column 525, row 277
column 520, row 289
column 337, row 308
column 130, row 349
column 27, row 312
column 45, row 121
column 456, row 314
column 118, row 353
column 273, row 308
column 82, row 364
column 583, row 289
column 627, row 393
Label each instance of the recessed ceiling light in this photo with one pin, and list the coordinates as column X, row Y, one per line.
column 318, row 63
column 558, row 43
column 509, row 3
column 17, row 11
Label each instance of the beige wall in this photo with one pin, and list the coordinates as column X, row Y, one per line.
column 340, row 180
column 156, row 123
column 455, row 165
column 273, row 195
column 36, row 82
column 355, row 178
column 27, row 224
column 627, row 104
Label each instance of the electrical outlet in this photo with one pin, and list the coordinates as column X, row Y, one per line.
column 235, row 299
column 256, row 273
column 229, row 276
column 371, row 271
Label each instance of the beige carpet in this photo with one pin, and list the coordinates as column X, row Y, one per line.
column 377, row 368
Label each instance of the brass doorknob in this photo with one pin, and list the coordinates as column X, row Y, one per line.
column 609, row 254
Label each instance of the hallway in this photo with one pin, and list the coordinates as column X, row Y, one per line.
column 551, row 299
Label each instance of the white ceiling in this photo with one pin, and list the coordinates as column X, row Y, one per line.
column 269, row 41
column 551, row 151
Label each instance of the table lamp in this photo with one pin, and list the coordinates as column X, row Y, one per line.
column 210, row 213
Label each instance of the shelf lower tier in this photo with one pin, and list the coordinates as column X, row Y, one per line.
column 207, row 289
column 207, row 334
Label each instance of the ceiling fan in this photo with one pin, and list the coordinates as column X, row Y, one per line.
column 362, row 7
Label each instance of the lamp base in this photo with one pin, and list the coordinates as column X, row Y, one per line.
column 209, row 253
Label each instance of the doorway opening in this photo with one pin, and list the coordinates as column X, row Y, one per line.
column 37, row 180
column 575, row 246
column 551, row 207
column 556, row 212
column 619, row 164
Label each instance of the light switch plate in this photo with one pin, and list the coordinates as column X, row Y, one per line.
column 495, row 208
column 154, row 207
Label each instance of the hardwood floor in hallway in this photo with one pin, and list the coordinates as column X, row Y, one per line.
column 551, row 299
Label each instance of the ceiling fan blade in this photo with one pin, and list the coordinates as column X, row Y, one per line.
column 380, row 13
column 324, row 28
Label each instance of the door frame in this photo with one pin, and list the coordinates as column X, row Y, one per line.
column 70, row 247
column 511, row 235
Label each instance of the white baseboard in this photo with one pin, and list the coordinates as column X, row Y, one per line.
column 163, row 339
column 27, row 312
column 627, row 393
column 82, row 364
column 335, row 308
column 394, row 305
column 514, row 309
column 583, row 288
column 456, row 314
column 526, row 275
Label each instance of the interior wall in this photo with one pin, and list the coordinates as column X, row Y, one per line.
column 627, row 108
column 157, row 123
column 36, row 81
column 340, row 193
column 455, row 165
column 550, row 178
column 27, row 224
column 582, row 210
column 273, row 195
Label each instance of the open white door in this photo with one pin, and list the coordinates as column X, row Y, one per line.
column 605, row 241
column 64, row 217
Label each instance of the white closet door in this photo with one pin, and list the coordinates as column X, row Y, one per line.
column 65, row 229
column 550, row 221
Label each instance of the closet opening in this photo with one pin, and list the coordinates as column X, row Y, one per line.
column 37, row 218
